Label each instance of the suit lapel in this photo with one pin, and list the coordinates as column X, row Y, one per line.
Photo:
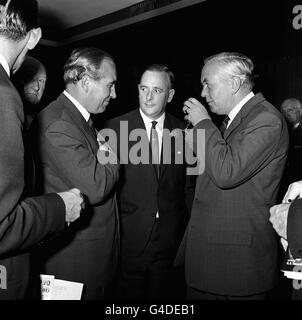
column 79, row 120
column 167, row 125
column 243, row 113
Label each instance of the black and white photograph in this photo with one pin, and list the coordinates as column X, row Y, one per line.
column 151, row 154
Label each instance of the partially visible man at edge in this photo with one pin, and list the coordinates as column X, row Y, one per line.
column 30, row 81
column 23, row 221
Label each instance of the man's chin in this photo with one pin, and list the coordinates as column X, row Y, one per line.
column 102, row 108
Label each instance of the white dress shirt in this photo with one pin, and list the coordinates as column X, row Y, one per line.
column 238, row 107
column 4, row 64
column 82, row 110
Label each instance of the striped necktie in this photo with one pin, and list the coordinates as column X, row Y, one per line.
column 224, row 125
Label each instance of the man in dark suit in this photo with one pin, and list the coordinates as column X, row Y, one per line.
column 231, row 247
column 68, row 151
column 291, row 108
column 152, row 192
column 23, row 221
column 30, row 81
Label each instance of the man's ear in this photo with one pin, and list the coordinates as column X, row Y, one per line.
column 34, row 37
column 236, row 84
column 171, row 94
column 85, row 83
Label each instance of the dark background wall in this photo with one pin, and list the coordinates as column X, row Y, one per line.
column 183, row 39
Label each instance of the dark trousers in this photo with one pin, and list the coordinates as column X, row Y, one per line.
column 194, row 294
column 151, row 275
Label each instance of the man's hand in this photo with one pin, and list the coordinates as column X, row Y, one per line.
column 74, row 203
column 278, row 218
column 194, row 111
column 294, row 191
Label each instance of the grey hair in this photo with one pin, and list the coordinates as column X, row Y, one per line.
column 84, row 61
column 235, row 65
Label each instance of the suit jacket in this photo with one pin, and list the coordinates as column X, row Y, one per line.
column 141, row 193
column 231, row 247
column 294, row 227
column 23, row 221
column 68, row 155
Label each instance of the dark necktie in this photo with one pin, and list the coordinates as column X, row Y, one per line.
column 155, row 146
column 224, row 125
column 90, row 123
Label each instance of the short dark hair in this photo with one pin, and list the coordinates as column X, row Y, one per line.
column 17, row 18
column 161, row 68
column 84, row 61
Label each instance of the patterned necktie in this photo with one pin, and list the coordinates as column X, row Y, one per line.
column 90, row 123
column 155, row 146
column 224, row 125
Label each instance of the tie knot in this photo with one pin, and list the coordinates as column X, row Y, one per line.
column 224, row 124
column 90, row 122
column 154, row 123
column 226, row 120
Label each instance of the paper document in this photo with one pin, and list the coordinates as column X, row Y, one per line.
column 57, row 289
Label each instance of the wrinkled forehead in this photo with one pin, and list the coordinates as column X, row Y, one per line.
column 210, row 71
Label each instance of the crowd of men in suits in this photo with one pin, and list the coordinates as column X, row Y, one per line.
column 133, row 225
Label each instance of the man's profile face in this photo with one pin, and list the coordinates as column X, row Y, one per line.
column 103, row 89
column 216, row 88
column 154, row 93
column 291, row 112
column 33, row 90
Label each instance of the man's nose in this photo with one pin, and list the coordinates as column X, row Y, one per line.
column 149, row 95
column 36, row 85
column 204, row 92
column 113, row 93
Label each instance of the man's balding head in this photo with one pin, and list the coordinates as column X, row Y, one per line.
column 31, row 79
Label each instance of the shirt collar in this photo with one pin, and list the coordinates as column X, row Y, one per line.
column 4, row 64
column 148, row 121
column 238, row 107
column 82, row 110
column 295, row 126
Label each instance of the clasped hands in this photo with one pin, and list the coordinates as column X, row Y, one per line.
column 279, row 212
column 74, row 203
column 195, row 111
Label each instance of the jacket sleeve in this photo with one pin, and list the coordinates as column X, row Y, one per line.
column 230, row 163
column 66, row 151
column 22, row 223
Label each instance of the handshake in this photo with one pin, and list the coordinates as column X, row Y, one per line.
column 74, row 203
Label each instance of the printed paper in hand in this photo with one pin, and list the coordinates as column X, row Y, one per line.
column 56, row 289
